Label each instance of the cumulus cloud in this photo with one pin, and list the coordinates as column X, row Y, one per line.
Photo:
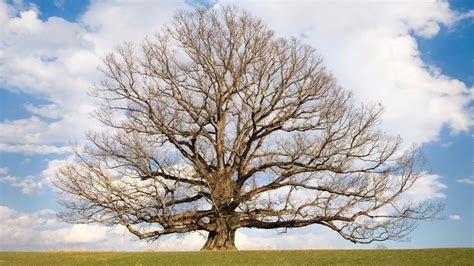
column 57, row 60
column 190, row 241
column 19, row 228
column 33, row 149
column 23, row 130
column 28, row 185
column 36, row 136
column 49, row 110
column 31, row 185
column 54, row 165
column 41, row 231
column 311, row 237
column 381, row 35
column 5, row 212
column 428, row 187
column 467, row 15
column 82, row 233
column 113, row 22
column 372, row 50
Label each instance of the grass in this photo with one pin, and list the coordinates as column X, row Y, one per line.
column 298, row 257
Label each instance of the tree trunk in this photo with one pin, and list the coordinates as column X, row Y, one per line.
column 223, row 238
column 220, row 240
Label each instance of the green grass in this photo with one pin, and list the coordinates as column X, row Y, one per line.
column 299, row 257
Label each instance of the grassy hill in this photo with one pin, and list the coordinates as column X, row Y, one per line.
column 300, row 257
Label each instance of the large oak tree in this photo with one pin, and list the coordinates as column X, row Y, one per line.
column 216, row 124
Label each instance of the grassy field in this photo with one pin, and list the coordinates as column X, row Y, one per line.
column 303, row 257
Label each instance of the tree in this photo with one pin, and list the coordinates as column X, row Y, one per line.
column 215, row 124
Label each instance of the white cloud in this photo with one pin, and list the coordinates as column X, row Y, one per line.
column 311, row 237
column 372, row 50
column 41, row 231
column 62, row 69
column 19, row 228
column 191, row 241
column 57, row 60
column 467, row 15
column 82, row 233
column 35, row 135
column 31, row 185
column 49, row 111
column 454, row 217
column 5, row 212
column 428, row 187
column 28, row 185
column 33, row 149
column 113, row 22
column 54, row 165
column 469, row 181
column 23, row 130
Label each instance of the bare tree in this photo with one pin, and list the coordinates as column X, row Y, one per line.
column 215, row 124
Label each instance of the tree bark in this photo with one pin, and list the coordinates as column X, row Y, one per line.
column 220, row 240
column 223, row 238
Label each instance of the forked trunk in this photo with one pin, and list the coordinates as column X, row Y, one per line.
column 223, row 239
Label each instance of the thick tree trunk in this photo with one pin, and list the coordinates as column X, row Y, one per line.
column 220, row 240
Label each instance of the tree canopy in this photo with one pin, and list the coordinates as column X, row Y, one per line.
column 216, row 124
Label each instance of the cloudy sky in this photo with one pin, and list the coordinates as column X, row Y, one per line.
column 414, row 57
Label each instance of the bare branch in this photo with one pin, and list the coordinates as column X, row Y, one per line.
column 215, row 124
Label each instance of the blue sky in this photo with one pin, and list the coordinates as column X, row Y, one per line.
column 419, row 65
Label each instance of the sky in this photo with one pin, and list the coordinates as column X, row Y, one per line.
column 416, row 58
